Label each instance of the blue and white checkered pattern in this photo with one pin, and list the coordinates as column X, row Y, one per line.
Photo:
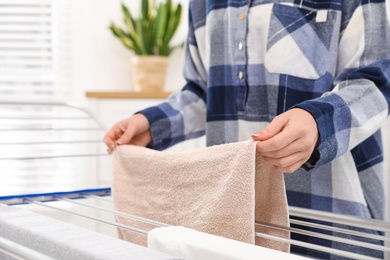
column 248, row 61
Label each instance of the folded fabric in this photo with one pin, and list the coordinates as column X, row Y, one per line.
column 60, row 240
column 220, row 190
column 192, row 245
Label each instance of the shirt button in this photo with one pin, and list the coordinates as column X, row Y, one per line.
column 240, row 75
column 240, row 46
column 242, row 16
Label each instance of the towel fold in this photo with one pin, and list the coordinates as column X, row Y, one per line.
column 193, row 245
column 220, row 190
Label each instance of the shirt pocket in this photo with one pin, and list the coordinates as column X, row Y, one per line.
column 302, row 42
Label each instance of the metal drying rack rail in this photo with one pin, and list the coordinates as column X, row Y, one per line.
column 36, row 117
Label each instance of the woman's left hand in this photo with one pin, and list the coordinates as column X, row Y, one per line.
column 288, row 141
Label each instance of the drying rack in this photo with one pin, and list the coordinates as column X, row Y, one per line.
column 41, row 137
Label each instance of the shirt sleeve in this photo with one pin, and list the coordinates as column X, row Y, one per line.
column 183, row 115
column 359, row 103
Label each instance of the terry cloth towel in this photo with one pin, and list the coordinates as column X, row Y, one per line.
column 220, row 190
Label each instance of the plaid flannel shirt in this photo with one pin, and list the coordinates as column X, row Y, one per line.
column 248, row 61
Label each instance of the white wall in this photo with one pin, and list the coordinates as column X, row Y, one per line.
column 100, row 61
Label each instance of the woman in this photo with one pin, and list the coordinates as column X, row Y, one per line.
column 318, row 71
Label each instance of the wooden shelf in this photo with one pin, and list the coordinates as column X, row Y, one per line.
column 126, row 94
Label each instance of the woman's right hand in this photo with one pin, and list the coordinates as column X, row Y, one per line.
column 134, row 130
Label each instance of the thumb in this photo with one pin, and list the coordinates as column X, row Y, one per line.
column 274, row 128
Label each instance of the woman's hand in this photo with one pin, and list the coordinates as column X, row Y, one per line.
column 289, row 140
column 134, row 130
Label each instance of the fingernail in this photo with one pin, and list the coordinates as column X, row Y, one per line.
column 255, row 136
column 119, row 142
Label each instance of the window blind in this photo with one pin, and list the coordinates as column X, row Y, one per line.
column 31, row 46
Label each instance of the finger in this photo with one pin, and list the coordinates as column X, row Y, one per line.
column 275, row 127
column 292, row 168
column 285, row 161
column 109, row 139
column 288, row 163
column 111, row 148
column 295, row 147
column 112, row 136
column 126, row 137
column 276, row 143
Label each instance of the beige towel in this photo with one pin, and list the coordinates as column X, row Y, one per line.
column 210, row 189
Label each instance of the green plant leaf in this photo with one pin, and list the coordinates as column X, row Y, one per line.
column 154, row 27
column 149, row 35
column 139, row 25
column 169, row 5
column 171, row 29
column 145, row 9
column 125, row 38
column 128, row 44
column 128, row 19
column 152, row 32
column 160, row 25
column 115, row 30
column 135, row 43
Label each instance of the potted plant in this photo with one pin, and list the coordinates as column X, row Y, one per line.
column 149, row 37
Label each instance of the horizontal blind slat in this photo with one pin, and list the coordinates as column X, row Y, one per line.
column 43, row 86
column 43, row 54
column 25, row 2
column 25, row 62
column 20, row 19
column 35, row 10
column 5, row 37
column 27, row 72
column 25, row 28
column 26, row 45
column 26, row 78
